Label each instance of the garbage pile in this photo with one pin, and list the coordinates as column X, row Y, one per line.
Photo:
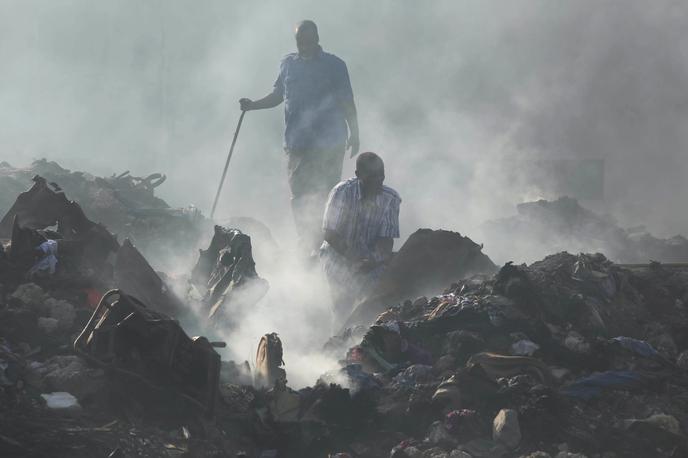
column 125, row 204
column 570, row 356
column 89, row 372
column 543, row 227
column 427, row 262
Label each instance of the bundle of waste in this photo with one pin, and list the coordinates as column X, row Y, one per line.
column 226, row 276
column 127, row 337
column 544, row 227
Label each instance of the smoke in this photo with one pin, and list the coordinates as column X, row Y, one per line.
column 297, row 307
column 450, row 93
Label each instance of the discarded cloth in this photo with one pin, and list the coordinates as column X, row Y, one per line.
column 496, row 365
column 592, row 386
column 49, row 261
column 639, row 347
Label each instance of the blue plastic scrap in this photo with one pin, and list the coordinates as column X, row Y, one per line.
column 592, row 386
column 640, row 347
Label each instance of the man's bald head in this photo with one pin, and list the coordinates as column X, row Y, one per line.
column 306, row 26
column 307, row 38
column 369, row 161
column 370, row 170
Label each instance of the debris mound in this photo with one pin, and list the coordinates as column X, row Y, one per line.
column 427, row 262
column 543, row 227
column 125, row 204
column 557, row 358
column 569, row 356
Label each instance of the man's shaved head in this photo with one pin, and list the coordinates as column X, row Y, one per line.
column 307, row 26
column 369, row 162
column 370, row 171
column 307, row 38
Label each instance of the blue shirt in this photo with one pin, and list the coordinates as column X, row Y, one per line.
column 360, row 222
column 314, row 91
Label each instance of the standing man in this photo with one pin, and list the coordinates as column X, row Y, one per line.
column 360, row 225
column 319, row 106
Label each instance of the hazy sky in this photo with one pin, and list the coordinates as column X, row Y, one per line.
column 446, row 91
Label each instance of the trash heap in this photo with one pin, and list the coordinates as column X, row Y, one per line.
column 570, row 356
column 544, row 227
column 93, row 359
column 124, row 203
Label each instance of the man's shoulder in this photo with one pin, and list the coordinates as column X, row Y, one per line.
column 345, row 185
column 289, row 57
column 390, row 193
column 332, row 59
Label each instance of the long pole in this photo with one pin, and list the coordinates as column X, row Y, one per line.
column 224, row 172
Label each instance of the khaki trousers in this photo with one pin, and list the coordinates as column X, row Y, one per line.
column 312, row 175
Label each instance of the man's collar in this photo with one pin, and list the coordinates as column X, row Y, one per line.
column 376, row 197
column 317, row 54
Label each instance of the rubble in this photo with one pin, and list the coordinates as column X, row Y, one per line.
column 29, row 294
column 134, row 275
column 569, row 356
column 559, row 351
column 123, row 203
column 426, row 263
column 505, row 428
column 68, row 373
column 543, row 227
column 125, row 336
column 61, row 401
column 226, row 275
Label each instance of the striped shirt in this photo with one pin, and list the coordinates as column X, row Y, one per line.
column 360, row 222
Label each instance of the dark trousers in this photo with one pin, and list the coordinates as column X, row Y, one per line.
column 312, row 175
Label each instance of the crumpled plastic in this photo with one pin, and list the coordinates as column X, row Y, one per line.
column 639, row 347
column 524, row 348
column 49, row 261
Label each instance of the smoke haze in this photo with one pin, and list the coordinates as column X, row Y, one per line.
column 449, row 93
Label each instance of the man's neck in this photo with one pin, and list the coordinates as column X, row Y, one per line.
column 312, row 55
column 369, row 195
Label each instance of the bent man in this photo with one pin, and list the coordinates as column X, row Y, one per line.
column 360, row 224
column 319, row 105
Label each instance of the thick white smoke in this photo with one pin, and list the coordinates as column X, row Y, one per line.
column 450, row 93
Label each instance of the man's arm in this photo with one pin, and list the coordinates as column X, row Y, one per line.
column 272, row 99
column 269, row 101
column 338, row 244
column 349, row 108
column 384, row 246
column 346, row 99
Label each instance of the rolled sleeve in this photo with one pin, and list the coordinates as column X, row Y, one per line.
column 335, row 209
column 342, row 82
column 389, row 228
